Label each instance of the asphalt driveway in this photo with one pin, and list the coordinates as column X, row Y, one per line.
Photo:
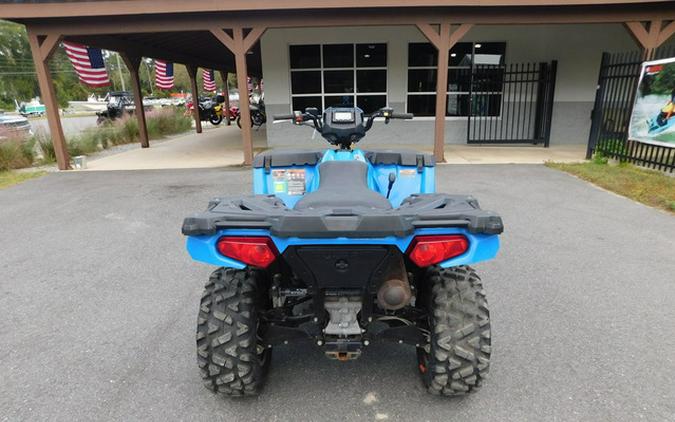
column 98, row 303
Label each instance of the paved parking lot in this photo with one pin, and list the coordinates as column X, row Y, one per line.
column 99, row 300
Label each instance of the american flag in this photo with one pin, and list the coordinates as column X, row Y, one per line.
column 88, row 63
column 209, row 80
column 163, row 74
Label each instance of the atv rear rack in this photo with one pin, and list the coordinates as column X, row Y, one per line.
column 269, row 212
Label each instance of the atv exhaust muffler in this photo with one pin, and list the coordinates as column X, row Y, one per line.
column 394, row 292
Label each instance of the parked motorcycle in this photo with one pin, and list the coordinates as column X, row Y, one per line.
column 234, row 113
column 209, row 109
column 257, row 107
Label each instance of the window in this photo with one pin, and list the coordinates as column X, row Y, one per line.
column 474, row 71
column 339, row 75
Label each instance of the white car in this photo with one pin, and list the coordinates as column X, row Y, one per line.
column 14, row 126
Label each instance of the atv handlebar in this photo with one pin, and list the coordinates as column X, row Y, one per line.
column 279, row 117
column 341, row 131
column 299, row 118
column 405, row 116
column 388, row 114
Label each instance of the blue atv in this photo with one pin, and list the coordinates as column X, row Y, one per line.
column 341, row 248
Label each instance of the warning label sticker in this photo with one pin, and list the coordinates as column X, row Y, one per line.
column 290, row 182
column 296, row 182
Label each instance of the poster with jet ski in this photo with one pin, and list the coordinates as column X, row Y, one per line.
column 653, row 117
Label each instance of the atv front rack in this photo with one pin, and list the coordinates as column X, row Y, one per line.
column 416, row 211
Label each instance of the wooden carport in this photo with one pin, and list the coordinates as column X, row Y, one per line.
column 218, row 35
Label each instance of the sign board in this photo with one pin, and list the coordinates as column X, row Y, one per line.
column 653, row 118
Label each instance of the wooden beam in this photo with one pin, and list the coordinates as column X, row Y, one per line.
column 638, row 32
column 441, row 91
column 654, row 31
column 459, row 33
column 49, row 98
column 253, row 36
column 114, row 43
column 239, row 45
column 346, row 17
column 133, row 62
column 192, row 73
column 430, row 33
column 48, row 45
column 242, row 84
column 224, row 38
column 666, row 33
column 650, row 35
column 148, row 7
column 443, row 39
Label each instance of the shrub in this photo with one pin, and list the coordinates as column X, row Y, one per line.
column 128, row 130
column 15, row 153
column 167, row 121
column 161, row 122
column 46, row 147
column 599, row 157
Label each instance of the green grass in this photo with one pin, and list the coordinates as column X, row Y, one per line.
column 649, row 187
column 11, row 178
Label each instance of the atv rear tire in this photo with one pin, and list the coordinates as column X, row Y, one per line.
column 457, row 358
column 231, row 358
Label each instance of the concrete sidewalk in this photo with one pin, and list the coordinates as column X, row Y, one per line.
column 216, row 146
column 476, row 154
column 221, row 147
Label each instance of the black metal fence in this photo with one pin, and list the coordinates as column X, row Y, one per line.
column 614, row 98
column 511, row 103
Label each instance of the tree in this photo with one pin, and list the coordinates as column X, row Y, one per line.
column 664, row 81
column 18, row 80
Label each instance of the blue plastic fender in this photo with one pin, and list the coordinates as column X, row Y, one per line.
column 408, row 179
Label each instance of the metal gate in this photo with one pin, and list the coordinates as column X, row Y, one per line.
column 511, row 104
column 617, row 85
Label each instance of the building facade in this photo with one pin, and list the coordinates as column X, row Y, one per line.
column 395, row 66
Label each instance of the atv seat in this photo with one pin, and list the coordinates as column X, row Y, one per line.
column 343, row 184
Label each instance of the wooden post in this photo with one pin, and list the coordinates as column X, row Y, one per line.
column 192, row 73
column 133, row 63
column 441, row 92
column 42, row 49
column 226, row 112
column 239, row 45
column 244, row 107
column 650, row 35
column 443, row 39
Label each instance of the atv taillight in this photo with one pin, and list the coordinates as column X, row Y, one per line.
column 256, row 251
column 430, row 250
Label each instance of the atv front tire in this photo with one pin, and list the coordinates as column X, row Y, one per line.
column 231, row 358
column 457, row 358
